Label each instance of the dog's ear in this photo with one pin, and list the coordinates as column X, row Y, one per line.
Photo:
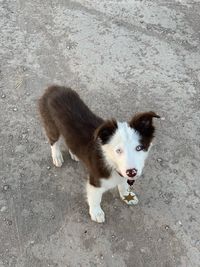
column 143, row 123
column 105, row 131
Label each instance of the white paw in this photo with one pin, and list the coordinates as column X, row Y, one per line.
column 130, row 198
column 73, row 156
column 97, row 215
column 57, row 159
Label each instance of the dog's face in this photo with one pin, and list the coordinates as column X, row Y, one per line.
column 125, row 145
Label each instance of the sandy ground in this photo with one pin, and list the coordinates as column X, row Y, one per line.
column 122, row 57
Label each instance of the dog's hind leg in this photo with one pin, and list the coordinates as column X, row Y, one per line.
column 74, row 157
column 52, row 132
column 57, row 154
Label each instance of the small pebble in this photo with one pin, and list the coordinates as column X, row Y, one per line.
column 179, row 222
column 166, row 227
column 9, row 222
column 32, row 242
column 197, row 243
column 3, row 96
column 10, row 136
column 160, row 160
column 53, row 217
column 15, row 109
column 6, row 187
column 4, row 208
column 48, row 167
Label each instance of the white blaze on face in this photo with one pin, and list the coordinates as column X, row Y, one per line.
column 121, row 152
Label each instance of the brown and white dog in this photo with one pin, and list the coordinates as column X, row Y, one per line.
column 113, row 152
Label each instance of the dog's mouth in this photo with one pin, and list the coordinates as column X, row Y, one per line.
column 129, row 181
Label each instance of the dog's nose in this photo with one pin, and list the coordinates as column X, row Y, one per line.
column 131, row 172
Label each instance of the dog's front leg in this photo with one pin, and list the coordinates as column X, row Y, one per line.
column 94, row 196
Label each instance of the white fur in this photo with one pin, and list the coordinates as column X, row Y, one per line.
column 57, row 154
column 74, row 157
column 126, row 139
column 94, row 195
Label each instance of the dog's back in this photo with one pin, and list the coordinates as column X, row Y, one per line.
column 64, row 113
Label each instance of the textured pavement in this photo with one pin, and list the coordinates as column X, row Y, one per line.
column 121, row 57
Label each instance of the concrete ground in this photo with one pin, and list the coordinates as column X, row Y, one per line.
column 122, row 57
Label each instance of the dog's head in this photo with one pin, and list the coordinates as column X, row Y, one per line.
column 125, row 145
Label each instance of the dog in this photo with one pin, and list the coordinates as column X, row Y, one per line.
column 113, row 152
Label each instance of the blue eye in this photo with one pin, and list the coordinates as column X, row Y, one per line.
column 139, row 148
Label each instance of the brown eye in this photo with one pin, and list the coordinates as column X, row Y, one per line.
column 139, row 148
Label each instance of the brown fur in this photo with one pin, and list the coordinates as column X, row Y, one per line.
column 64, row 113
column 143, row 123
column 105, row 131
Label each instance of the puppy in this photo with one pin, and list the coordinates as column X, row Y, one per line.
column 113, row 152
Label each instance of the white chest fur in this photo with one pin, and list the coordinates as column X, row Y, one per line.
column 114, row 180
